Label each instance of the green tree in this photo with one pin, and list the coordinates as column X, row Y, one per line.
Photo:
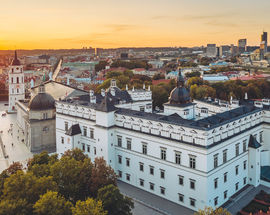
column 14, row 207
column 114, row 202
column 51, row 203
column 88, row 207
column 211, row 211
column 102, row 175
column 72, row 177
column 27, row 187
column 101, row 65
column 194, row 80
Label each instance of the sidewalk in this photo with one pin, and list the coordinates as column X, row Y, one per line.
column 158, row 205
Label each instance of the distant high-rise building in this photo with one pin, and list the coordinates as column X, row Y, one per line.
column 242, row 45
column 233, row 50
column 211, row 50
column 264, row 42
column 224, row 51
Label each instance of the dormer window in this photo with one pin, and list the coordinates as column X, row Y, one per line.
column 186, row 112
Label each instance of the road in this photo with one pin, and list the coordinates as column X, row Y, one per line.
column 12, row 140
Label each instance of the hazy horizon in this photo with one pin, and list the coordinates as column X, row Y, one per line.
column 60, row 24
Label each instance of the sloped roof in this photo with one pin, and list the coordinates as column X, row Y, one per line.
column 253, row 143
column 74, row 130
column 106, row 105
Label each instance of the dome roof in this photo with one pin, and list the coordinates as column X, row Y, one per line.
column 41, row 101
column 179, row 95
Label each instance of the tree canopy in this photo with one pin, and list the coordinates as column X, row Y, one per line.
column 69, row 185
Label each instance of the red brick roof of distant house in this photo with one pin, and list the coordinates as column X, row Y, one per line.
column 251, row 77
column 156, row 82
column 139, row 69
column 100, row 79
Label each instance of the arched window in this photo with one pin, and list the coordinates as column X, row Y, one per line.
column 17, row 90
column 12, row 70
column 11, row 80
column 18, row 80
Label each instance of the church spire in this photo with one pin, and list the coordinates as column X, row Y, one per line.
column 15, row 61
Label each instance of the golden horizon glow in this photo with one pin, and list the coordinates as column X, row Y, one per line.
column 56, row 24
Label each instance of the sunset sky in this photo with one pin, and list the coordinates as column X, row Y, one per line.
column 32, row 24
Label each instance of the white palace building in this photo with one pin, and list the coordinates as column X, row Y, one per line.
column 194, row 154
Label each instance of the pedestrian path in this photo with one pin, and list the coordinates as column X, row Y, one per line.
column 157, row 204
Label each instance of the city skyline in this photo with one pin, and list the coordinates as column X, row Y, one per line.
column 61, row 24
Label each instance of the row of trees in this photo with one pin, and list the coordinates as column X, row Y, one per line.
column 70, row 185
column 225, row 90
column 127, row 64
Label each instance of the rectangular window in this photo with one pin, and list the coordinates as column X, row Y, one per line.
column 84, row 131
column 245, row 165
column 127, row 162
column 236, row 170
column 192, row 202
column 91, row 133
column 192, row 184
column 245, row 146
column 141, row 167
column 66, row 126
column 144, row 148
column 225, row 177
column 245, row 180
column 141, row 182
column 181, row 180
column 62, row 140
column 128, row 177
column 225, row 194
column 180, row 197
column 119, row 141
column 88, row 148
column 192, row 162
column 178, row 158
column 152, row 186
column 162, row 173
column 128, row 144
column 119, row 174
column 236, row 186
column 216, row 201
column 237, row 149
column 151, row 169
column 163, row 154
column 95, row 150
column 119, row 159
column 261, row 137
column 225, row 156
column 216, row 183
column 83, row 147
column 162, row 190
column 215, row 160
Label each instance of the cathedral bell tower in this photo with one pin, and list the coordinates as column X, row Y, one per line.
column 16, row 83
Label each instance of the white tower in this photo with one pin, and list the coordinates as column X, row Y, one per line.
column 16, row 83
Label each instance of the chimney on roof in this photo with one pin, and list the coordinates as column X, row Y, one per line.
column 126, row 87
column 103, row 92
column 144, row 86
column 149, row 88
column 133, row 89
column 246, row 96
column 92, row 96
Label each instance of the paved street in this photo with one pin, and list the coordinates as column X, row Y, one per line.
column 149, row 204
column 12, row 140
